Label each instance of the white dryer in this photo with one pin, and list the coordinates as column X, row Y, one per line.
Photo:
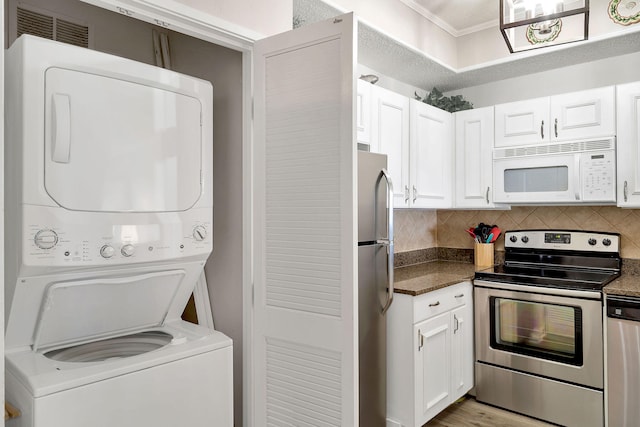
column 108, row 225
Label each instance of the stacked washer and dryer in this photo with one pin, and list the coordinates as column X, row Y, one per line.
column 109, row 212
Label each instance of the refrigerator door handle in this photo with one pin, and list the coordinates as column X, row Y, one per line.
column 388, row 242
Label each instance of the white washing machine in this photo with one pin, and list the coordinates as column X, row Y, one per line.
column 108, row 226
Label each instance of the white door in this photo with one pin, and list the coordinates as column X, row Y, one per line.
column 305, row 317
column 628, row 118
column 390, row 136
column 431, row 154
column 584, row 114
column 432, row 366
column 462, row 349
column 522, row 122
column 474, row 159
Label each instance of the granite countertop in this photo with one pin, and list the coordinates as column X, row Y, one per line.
column 626, row 285
column 429, row 276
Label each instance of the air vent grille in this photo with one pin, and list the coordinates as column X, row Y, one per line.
column 36, row 24
column 565, row 147
column 68, row 32
column 51, row 27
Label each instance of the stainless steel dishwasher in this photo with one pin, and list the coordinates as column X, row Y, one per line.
column 623, row 363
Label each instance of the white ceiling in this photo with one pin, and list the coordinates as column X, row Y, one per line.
column 458, row 17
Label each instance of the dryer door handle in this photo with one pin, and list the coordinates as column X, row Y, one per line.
column 61, row 128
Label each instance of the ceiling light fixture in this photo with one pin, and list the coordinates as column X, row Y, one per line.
column 531, row 24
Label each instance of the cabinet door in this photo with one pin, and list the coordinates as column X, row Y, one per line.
column 461, row 350
column 432, row 366
column 390, row 136
column 304, row 335
column 431, row 156
column 628, row 121
column 363, row 112
column 473, row 158
column 584, row 114
column 522, row 122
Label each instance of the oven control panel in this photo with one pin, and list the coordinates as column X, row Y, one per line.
column 563, row 240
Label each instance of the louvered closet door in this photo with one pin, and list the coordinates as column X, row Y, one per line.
column 305, row 316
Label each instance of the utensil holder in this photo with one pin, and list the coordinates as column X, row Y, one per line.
column 483, row 254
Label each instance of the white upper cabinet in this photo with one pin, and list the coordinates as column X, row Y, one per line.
column 522, row 122
column 473, row 158
column 576, row 115
column 431, row 156
column 363, row 112
column 628, row 118
column 585, row 114
column 390, row 136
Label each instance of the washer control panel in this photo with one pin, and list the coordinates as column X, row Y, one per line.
column 67, row 241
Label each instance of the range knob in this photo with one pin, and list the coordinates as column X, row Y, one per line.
column 127, row 250
column 45, row 239
column 592, row 241
column 606, row 242
column 513, row 239
column 199, row 233
column 524, row 239
column 107, row 251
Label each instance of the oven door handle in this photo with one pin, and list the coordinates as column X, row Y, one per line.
column 596, row 295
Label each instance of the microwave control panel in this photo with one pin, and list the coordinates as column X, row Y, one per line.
column 598, row 175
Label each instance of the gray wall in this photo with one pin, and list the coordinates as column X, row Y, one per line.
column 589, row 75
column 131, row 38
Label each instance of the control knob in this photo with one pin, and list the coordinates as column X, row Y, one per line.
column 107, row 251
column 45, row 239
column 606, row 242
column 513, row 239
column 592, row 241
column 524, row 239
column 199, row 233
column 127, row 250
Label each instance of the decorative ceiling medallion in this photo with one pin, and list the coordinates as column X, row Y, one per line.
column 624, row 12
column 544, row 32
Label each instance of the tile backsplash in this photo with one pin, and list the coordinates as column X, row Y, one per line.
column 420, row 229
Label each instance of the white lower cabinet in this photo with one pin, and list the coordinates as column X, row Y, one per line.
column 429, row 353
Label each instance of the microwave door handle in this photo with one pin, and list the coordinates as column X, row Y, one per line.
column 577, row 176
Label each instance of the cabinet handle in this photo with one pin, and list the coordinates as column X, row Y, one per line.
column 415, row 193
column 420, row 340
column 456, row 324
column 626, row 191
column 434, row 304
column 486, row 196
column 406, row 194
column 459, row 296
column 542, row 129
column 555, row 127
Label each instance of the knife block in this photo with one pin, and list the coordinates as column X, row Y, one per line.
column 483, row 254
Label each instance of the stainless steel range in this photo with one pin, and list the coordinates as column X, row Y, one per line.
column 539, row 327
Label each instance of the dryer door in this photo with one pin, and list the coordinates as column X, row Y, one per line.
column 117, row 146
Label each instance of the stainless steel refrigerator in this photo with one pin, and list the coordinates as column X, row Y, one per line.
column 375, row 283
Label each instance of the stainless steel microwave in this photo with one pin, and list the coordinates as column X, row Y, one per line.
column 562, row 173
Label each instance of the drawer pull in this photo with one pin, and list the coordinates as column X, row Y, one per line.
column 459, row 295
column 434, row 304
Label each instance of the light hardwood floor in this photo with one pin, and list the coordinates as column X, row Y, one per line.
column 467, row 412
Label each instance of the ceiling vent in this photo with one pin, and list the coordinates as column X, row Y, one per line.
column 49, row 26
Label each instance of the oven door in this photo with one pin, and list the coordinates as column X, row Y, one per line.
column 556, row 336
